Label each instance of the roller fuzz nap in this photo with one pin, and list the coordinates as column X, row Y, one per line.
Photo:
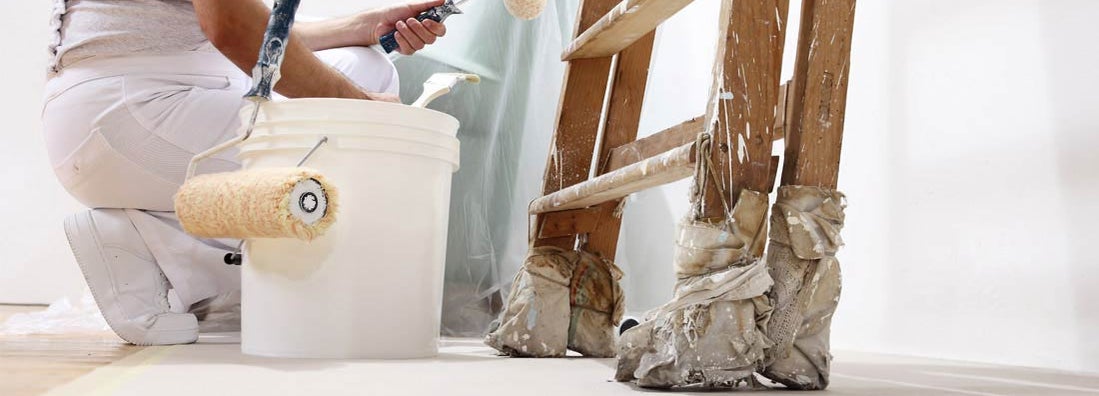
column 258, row 203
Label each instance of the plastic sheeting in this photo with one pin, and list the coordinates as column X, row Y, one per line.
column 61, row 317
column 217, row 314
column 509, row 116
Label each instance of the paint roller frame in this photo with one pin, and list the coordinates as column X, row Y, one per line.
column 265, row 75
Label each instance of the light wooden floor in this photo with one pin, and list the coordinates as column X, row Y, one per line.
column 33, row 364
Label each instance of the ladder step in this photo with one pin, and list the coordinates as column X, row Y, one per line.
column 667, row 167
column 621, row 26
column 656, row 143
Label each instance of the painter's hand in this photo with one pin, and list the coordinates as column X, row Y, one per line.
column 412, row 35
column 383, row 97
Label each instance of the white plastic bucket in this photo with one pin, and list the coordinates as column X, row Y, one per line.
column 372, row 286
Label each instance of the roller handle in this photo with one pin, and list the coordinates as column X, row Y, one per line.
column 275, row 39
column 264, row 75
column 437, row 14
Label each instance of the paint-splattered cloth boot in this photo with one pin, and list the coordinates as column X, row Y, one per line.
column 561, row 300
column 805, row 235
column 711, row 333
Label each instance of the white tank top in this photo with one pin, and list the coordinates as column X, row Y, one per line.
column 87, row 28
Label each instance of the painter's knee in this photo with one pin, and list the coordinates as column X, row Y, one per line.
column 366, row 67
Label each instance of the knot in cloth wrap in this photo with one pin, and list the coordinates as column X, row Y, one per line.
column 712, row 332
column 257, row 203
column 560, row 300
column 805, row 235
column 525, row 9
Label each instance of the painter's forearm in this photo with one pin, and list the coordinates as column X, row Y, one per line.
column 351, row 31
column 236, row 28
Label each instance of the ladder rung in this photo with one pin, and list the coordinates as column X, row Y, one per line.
column 621, row 26
column 656, row 143
column 665, row 168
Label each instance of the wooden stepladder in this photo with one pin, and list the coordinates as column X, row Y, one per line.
column 566, row 296
column 601, row 103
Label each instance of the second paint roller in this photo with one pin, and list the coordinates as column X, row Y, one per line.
column 291, row 202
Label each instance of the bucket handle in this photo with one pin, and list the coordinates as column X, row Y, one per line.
column 235, row 258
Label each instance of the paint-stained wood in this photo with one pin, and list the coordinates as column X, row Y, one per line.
column 819, row 93
column 578, row 117
column 603, row 241
column 656, row 143
column 627, row 98
column 568, row 223
column 580, row 110
column 675, row 164
column 578, row 121
column 623, row 25
column 745, row 96
column 625, row 103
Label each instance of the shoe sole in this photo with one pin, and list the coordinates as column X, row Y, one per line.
column 109, row 311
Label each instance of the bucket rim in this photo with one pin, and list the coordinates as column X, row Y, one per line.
column 398, row 107
column 446, row 149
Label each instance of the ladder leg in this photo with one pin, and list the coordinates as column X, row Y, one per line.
column 807, row 281
column 726, row 345
column 623, row 118
column 578, row 116
column 819, row 94
column 745, row 97
column 574, row 296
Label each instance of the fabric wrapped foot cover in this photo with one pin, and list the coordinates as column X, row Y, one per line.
column 805, row 235
column 561, row 300
column 711, row 333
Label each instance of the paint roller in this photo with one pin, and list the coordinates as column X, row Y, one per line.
column 290, row 202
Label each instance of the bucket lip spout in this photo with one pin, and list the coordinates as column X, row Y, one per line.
column 414, row 113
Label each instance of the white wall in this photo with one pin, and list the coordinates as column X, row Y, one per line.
column 36, row 266
column 993, row 184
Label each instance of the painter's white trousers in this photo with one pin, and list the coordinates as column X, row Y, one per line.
column 121, row 131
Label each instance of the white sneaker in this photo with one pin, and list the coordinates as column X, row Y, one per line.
column 128, row 286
